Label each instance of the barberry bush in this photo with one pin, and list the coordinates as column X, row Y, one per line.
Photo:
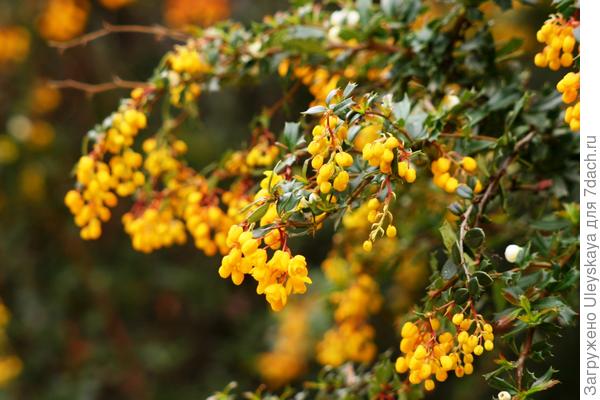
column 417, row 142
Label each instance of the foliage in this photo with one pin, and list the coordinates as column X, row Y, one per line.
column 398, row 91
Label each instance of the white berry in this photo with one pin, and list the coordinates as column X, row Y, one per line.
column 353, row 18
column 504, row 395
column 512, row 253
column 337, row 17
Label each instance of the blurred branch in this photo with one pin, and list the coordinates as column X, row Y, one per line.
column 94, row 88
column 284, row 100
column 157, row 30
column 475, row 137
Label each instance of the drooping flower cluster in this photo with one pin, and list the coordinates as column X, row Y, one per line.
column 98, row 180
column 377, row 216
column 287, row 358
column 328, row 158
column 430, row 351
column 278, row 276
column 559, row 36
column 352, row 337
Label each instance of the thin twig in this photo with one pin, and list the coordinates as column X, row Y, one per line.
column 284, row 100
column 461, row 239
column 525, row 350
column 435, row 293
column 95, row 88
column 107, row 29
column 495, row 180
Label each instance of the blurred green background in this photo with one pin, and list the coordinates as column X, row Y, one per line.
column 96, row 320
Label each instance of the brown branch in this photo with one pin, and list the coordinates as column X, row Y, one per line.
column 476, row 137
column 435, row 293
column 536, row 187
column 495, row 180
column 95, row 88
column 525, row 350
column 107, row 29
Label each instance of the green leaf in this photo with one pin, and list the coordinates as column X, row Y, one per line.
column 550, row 224
column 448, row 235
column 464, row 191
column 384, row 372
column 543, row 383
column 473, row 286
column 455, row 253
column 349, row 89
column 449, row 269
column 461, row 295
column 401, row 109
column 456, row 209
column 330, row 96
column 341, row 107
column 291, row 135
column 353, row 131
column 315, row 110
column 305, row 32
column 475, row 237
column 512, row 45
column 288, row 202
column 483, row 278
column 258, row 213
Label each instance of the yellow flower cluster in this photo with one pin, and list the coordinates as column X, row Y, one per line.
column 62, row 20
column 287, row 359
column 180, row 13
column 115, row 4
column 187, row 64
column 352, row 337
column 277, row 277
column 381, row 153
column 558, row 36
column 10, row 365
column 91, row 205
column 98, row 181
column 328, row 158
column 378, row 214
column 14, row 44
column 153, row 229
column 569, row 87
column 125, row 125
column 44, row 98
column 262, row 154
column 187, row 59
column 320, row 81
column 444, row 178
column 208, row 224
column 430, row 353
column 161, row 160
